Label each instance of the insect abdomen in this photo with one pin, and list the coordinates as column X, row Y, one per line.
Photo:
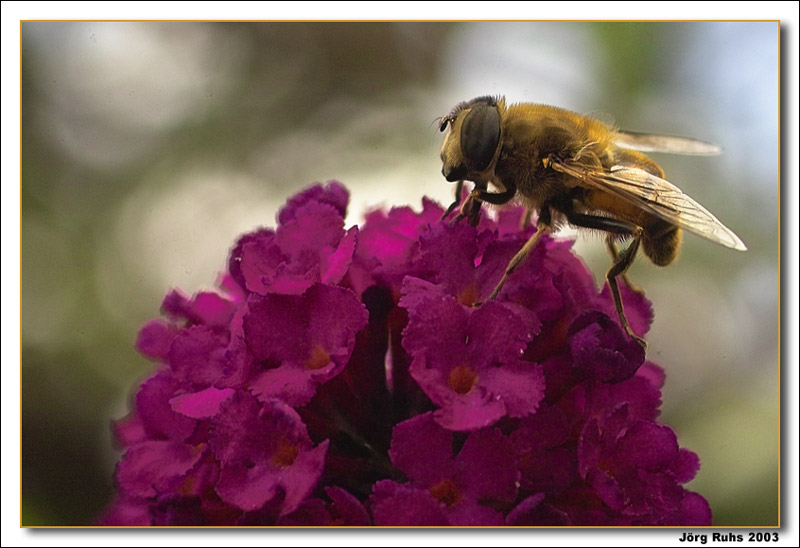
column 661, row 242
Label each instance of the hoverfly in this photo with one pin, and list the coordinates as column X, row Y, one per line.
column 575, row 169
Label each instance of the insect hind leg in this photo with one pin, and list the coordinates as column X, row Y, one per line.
column 622, row 261
column 619, row 268
column 611, row 245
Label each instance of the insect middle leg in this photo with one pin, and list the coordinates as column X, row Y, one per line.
column 543, row 226
column 622, row 261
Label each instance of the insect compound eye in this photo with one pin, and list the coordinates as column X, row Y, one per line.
column 480, row 133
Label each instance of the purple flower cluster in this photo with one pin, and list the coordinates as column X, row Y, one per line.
column 347, row 377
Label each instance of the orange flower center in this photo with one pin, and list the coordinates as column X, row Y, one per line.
column 462, row 379
column 318, row 358
column 447, row 492
column 469, row 296
column 285, row 453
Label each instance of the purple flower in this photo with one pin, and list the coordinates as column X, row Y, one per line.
column 197, row 355
column 158, row 417
column 621, row 468
column 302, row 340
column 601, row 350
column 343, row 510
column 357, row 377
column 309, row 246
column 153, row 467
column 264, row 451
column 467, row 360
column 446, row 489
column 635, row 467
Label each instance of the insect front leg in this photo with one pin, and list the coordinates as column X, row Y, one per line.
column 622, row 261
column 457, row 201
column 496, row 198
column 470, row 210
column 471, row 207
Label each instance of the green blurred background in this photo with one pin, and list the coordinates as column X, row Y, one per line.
column 148, row 147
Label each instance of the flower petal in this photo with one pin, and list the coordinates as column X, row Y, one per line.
column 200, row 405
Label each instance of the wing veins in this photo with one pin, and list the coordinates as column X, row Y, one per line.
column 656, row 196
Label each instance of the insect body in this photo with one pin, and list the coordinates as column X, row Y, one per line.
column 575, row 169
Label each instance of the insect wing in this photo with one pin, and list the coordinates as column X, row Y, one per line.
column 656, row 196
column 646, row 142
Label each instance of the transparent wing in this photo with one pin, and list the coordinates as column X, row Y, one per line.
column 656, row 196
column 647, row 142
